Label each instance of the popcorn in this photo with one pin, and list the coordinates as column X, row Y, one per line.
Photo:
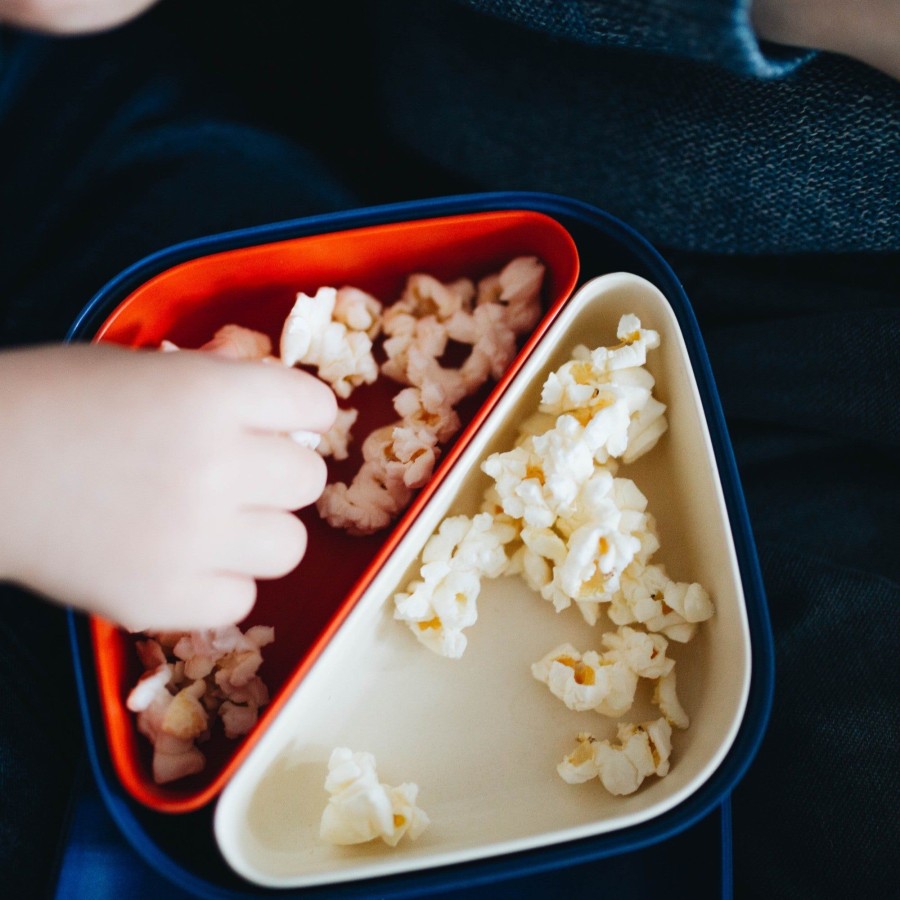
column 644, row 654
column 361, row 808
column 190, row 679
column 650, row 597
column 609, row 394
column 516, row 290
column 237, row 342
column 232, row 342
column 666, row 699
column 442, row 602
column 418, row 329
column 589, row 681
column 312, row 336
column 358, row 310
column 309, row 439
column 368, row 504
column 642, row 750
column 336, row 441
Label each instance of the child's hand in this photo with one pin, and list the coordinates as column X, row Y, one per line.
column 152, row 488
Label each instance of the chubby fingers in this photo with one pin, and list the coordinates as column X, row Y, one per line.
column 262, row 544
column 279, row 473
column 273, row 397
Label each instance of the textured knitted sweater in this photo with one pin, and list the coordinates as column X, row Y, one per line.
column 667, row 113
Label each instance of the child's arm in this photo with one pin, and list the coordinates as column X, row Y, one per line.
column 152, row 488
column 70, row 16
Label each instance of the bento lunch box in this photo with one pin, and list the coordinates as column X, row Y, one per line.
column 479, row 735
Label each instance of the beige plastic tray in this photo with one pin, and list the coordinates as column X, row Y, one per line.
column 480, row 736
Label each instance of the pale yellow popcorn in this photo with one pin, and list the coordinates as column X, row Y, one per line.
column 649, row 596
column 361, row 809
column 666, row 699
column 642, row 750
column 644, row 654
column 442, row 602
column 587, row 681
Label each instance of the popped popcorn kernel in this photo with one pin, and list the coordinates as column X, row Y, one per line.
column 440, row 604
column 665, row 697
column 312, row 336
column 641, row 750
column 361, row 809
column 191, row 680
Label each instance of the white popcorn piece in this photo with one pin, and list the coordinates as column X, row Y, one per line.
column 237, row 342
column 191, row 679
column 439, row 605
column 516, row 288
column 310, row 439
column 424, row 295
column 361, row 809
column 368, row 504
column 358, row 310
column 642, row 750
column 662, row 605
column 665, row 697
column 647, row 426
column 587, row 681
column 336, row 441
column 312, row 336
column 644, row 654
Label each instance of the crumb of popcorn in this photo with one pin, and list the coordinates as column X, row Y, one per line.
column 361, row 809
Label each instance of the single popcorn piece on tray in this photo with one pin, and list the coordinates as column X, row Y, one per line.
column 642, row 750
column 361, row 809
column 606, row 682
column 237, row 342
column 442, row 602
column 650, row 597
column 191, row 679
column 587, row 681
column 358, row 310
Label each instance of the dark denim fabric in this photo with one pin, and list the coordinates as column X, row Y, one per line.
column 115, row 146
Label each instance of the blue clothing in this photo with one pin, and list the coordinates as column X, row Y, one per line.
column 708, row 143
column 769, row 180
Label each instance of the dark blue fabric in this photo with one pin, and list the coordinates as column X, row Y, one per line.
column 717, row 31
column 692, row 155
column 210, row 116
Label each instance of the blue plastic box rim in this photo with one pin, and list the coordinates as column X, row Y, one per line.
column 589, row 226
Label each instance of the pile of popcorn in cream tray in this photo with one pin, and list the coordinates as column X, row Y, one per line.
column 557, row 514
